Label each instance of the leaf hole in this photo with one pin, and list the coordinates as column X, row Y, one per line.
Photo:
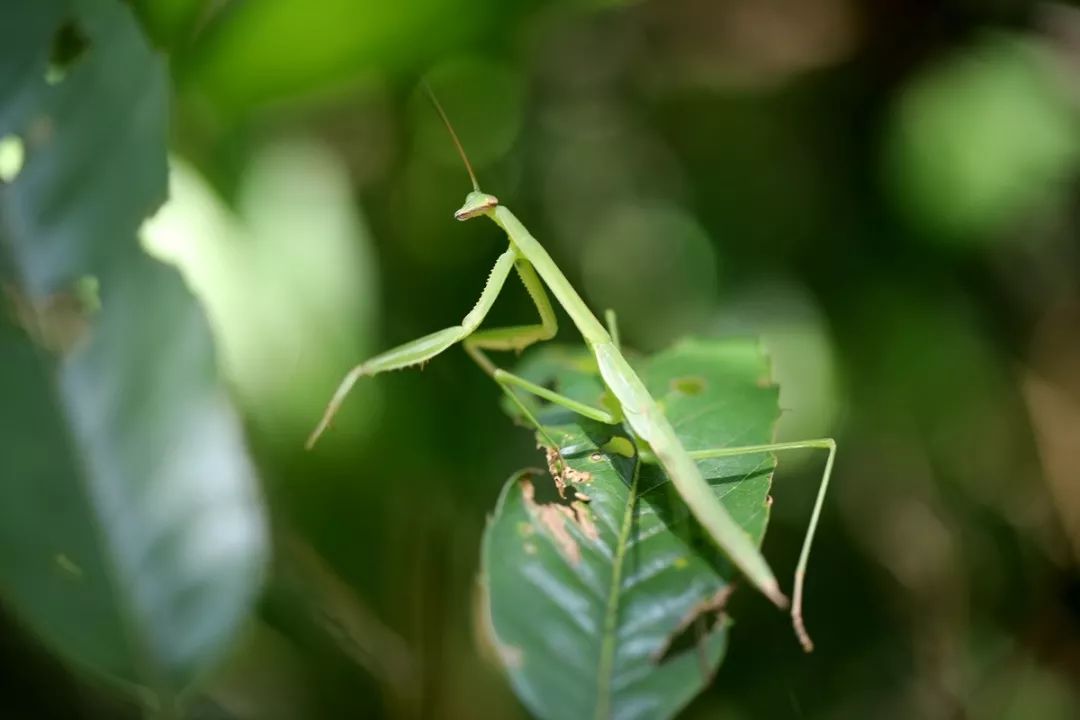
column 551, row 385
column 695, row 627
column 620, row 445
column 688, row 639
column 689, row 385
column 69, row 45
column 544, row 493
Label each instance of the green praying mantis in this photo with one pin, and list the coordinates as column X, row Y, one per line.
column 632, row 406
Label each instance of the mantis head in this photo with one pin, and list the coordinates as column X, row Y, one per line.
column 476, row 203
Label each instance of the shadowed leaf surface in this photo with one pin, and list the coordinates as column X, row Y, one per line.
column 607, row 601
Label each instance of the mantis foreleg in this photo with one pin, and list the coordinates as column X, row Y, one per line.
column 423, row 349
column 518, row 338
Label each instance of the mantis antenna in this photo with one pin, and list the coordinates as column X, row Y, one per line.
column 453, row 135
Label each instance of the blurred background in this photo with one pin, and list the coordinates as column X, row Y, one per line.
column 885, row 192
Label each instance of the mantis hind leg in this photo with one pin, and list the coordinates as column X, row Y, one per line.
column 423, row 349
column 808, row 540
column 508, row 381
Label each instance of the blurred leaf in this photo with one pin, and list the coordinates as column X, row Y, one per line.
column 260, row 52
column 983, row 139
column 622, row 256
column 609, row 602
column 288, row 282
column 131, row 532
column 169, row 21
column 487, row 116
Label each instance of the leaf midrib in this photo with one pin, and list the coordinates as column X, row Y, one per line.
column 606, row 667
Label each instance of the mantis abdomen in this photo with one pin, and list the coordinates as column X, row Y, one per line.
column 649, row 423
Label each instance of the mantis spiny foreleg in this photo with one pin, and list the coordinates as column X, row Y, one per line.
column 422, row 349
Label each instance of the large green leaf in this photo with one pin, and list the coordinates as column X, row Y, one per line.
column 132, row 538
column 608, row 601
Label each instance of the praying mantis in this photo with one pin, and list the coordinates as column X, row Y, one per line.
column 631, row 405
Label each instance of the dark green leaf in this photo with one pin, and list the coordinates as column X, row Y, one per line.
column 609, row 601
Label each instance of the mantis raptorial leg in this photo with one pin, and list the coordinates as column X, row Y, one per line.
column 519, row 337
column 638, row 410
column 423, row 349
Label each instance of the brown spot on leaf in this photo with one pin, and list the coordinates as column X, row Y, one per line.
column 491, row 648
column 584, row 520
column 554, row 518
column 58, row 322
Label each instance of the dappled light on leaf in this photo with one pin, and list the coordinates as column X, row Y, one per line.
column 288, row 282
column 12, row 156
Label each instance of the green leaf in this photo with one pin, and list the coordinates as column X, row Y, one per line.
column 609, row 601
column 132, row 537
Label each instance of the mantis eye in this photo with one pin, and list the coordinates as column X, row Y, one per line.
column 476, row 203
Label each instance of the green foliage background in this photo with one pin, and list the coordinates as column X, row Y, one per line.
column 884, row 192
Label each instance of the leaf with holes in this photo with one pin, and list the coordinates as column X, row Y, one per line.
column 603, row 598
column 132, row 536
